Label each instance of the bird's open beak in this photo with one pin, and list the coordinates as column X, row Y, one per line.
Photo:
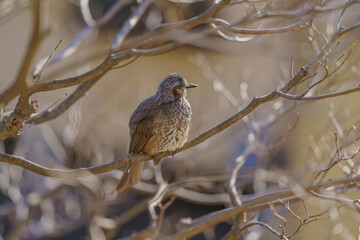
column 190, row 85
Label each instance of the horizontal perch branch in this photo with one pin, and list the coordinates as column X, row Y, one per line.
column 82, row 172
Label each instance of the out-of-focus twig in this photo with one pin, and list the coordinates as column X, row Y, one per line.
column 83, row 34
column 130, row 23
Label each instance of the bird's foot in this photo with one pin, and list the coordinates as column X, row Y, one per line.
column 157, row 159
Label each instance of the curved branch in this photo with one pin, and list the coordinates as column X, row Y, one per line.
column 130, row 23
column 62, row 107
column 318, row 97
column 292, row 27
column 86, row 12
column 68, row 173
column 97, row 72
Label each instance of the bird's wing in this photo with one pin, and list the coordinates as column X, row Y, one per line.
column 142, row 125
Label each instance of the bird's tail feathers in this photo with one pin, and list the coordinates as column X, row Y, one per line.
column 130, row 177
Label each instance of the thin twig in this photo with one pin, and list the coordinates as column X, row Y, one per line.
column 318, row 97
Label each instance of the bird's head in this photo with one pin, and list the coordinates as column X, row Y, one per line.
column 171, row 88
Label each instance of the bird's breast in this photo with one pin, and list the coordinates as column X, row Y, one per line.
column 173, row 126
column 181, row 116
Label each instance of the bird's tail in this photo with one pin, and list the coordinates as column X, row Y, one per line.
column 130, row 177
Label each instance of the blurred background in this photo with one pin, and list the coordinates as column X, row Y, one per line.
column 94, row 130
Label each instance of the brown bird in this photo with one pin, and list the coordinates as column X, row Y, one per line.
column 159, row 124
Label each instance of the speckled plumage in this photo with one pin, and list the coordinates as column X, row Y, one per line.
column 159, row 124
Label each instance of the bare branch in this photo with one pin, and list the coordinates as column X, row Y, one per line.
column 130, row 23
column 86, row 13
column 50, row 114
column 312, row 98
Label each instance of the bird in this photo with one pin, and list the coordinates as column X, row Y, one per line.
column 159, row 124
